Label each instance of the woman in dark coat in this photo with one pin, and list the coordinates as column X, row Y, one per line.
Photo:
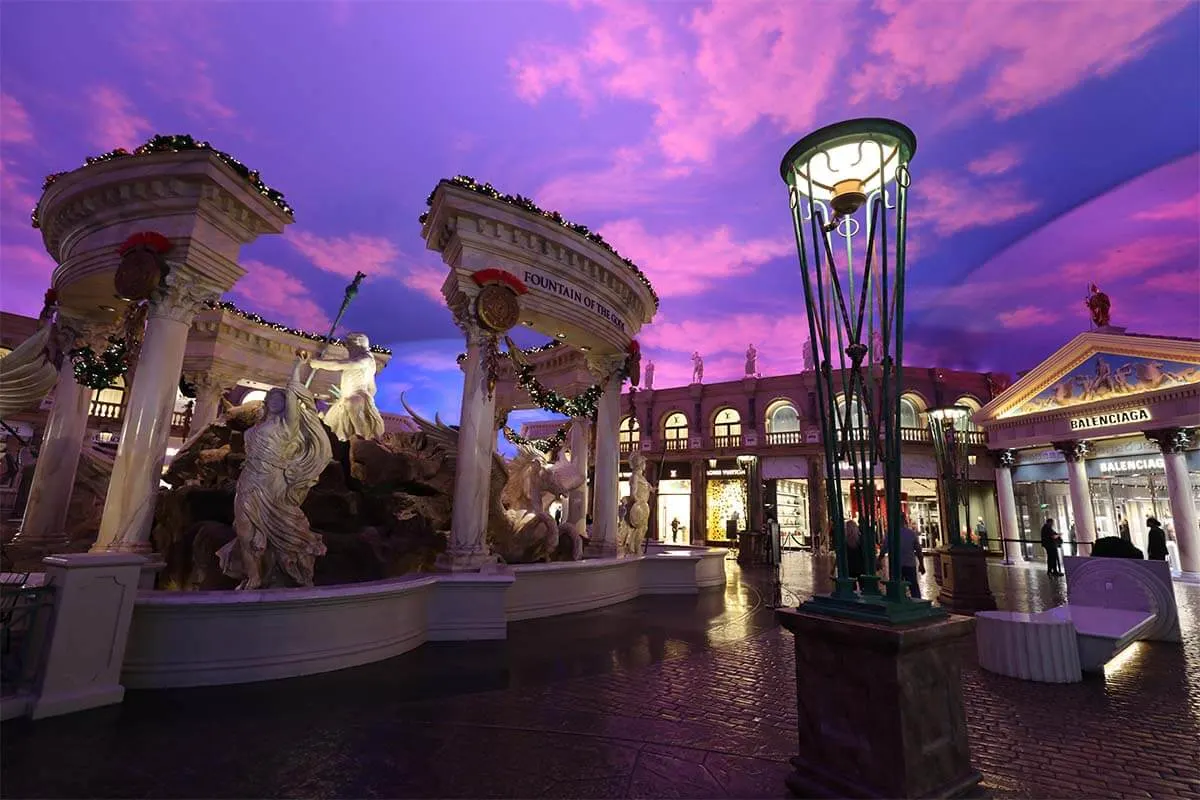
column 1156, row 540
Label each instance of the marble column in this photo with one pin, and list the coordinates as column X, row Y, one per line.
column 44, row 525
column 1010, row 529
column 604, row 541
column 698, row 530
column 132, row 491
column 210, row 388
column 1075, row 454
column 468, row 549
column 577, row 500
column 1174, row 442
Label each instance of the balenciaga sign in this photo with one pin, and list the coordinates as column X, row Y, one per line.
column 1108, row 420
column 1124, row 465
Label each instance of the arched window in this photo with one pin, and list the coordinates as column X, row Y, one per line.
column 857, row 416
column 728, row 422
column 910, row 416
column 782, row 418
column 971, row 403
column 629, row 434
column 675, row 427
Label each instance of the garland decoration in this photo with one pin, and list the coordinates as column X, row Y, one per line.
column 179, row 143
column 581, row 405
column 225, row 305
column 525, row 204
column 545, row 445
column 100, row 371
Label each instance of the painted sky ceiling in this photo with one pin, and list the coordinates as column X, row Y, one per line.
column 1058, row 145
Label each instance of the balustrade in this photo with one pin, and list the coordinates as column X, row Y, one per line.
column 677, row 444
column 721, row 442
column 784, row 437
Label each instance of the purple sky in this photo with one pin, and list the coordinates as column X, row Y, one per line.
column 1058, row 144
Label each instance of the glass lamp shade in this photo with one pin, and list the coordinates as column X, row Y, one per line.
column 951, row 415
column 745, row 461
column 852, row 158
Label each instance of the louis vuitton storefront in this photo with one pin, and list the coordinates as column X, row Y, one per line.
column 1099, row 437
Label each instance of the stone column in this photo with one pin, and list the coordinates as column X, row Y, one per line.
column 577, row 500
column 698, row 530
column 210, row 388
column 1010, row 529
column 1173, row 442
column 608, row 455
column 468, row 548
column 137, row 471
column 1075, row 454
column 54, row 476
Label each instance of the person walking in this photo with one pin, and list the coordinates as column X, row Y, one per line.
column 1051, row 541
column 1156, row 540
column 1123, row 529
column 981, row 533
column 855, row 563
column 912, row 559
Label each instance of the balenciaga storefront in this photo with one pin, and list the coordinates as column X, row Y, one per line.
column 1099, row 437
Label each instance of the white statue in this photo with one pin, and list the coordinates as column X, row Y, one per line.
column 648, row 383
column 353, row 413
column 697, row 367
column 751, row 361
column 807, row 354
column 634, row 515
column 534, row 483
column 286, row 452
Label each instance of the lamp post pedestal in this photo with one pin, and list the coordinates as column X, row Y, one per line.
column 880, row 695
column 963, row 580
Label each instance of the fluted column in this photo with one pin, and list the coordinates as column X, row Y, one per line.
column 604, row 539
column 1075, row 454
column 698, row 530
column 468, row 548
column 1010, row 529
column 129, row 505
column 210, row 388
column 1173, row 442
column 577, row 500
column 54, row 476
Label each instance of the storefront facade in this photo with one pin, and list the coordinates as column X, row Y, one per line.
column 1098, row 438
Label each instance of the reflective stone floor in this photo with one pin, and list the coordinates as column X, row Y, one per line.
column 658, row 697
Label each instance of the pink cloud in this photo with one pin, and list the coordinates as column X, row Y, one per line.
column 345, row 255
column 685, row 262
column 1187, row 282
column 15, row 125
column 631, row 178
column 175, row 42
column 115, row 122
column 427, row 280
column 948, row 204
column 25, row 271
column 280, row 296
column 1025, row 317
column 16, row 201
column 743, row 63
column 996, row 162
column 1186, row 209
column 722, row 341
column 1131, row 259
column 1026, row 52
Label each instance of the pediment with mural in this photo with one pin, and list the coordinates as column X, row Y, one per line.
column 1104, row 376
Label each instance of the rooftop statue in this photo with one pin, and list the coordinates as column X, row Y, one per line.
column 353, row 412
column 1099, row 304
column 751, row 361
column 697, row 368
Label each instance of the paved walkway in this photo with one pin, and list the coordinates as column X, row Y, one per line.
column 661, row 697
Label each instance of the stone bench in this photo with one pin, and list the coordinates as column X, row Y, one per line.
column 1112, row 602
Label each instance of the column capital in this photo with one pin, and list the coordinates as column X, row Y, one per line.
column 1171, row 440
column 74, row 331
column 1073, row 450
column 1003, row 459
column 180, row 296
column 604, row 366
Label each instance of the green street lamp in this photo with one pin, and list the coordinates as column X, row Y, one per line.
column 951, row 448
column 848, row 190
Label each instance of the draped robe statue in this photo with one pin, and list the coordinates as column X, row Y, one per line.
column 353, row 413
column 286, row 452
column 697, row 368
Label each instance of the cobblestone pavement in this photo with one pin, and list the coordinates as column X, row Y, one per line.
column 659, row 697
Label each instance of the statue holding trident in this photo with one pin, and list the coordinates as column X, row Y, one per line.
column 353, row 412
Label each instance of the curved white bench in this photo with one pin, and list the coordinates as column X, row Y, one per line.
column 1033, row 647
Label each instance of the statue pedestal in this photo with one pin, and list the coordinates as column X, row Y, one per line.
column 963, row 581
column 880, row 708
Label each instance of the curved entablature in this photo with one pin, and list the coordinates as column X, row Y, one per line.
column 576, row 290
column 198, row 203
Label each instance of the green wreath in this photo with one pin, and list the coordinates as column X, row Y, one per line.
column 100, row 371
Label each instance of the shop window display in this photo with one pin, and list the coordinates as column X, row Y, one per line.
column 726, row 501
column 674, row 511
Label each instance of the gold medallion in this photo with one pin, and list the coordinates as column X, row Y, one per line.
column 497, row 308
